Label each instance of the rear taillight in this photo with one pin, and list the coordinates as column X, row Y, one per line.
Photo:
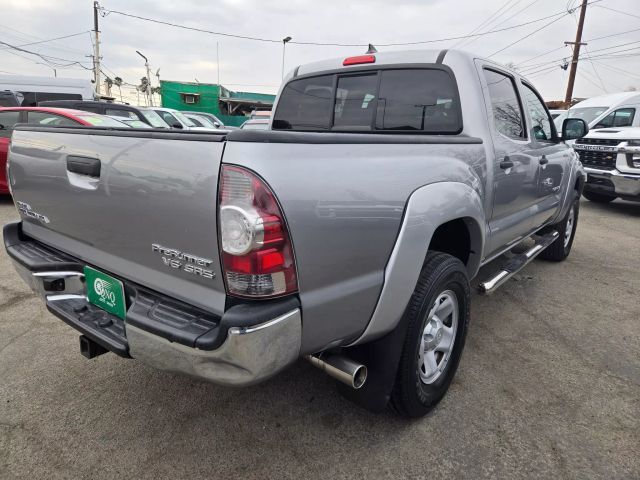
column 257, row 256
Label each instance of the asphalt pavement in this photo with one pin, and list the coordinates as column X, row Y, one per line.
column 548, row 387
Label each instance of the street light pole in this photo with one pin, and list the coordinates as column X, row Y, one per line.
column 284, row 46
column 149, row 94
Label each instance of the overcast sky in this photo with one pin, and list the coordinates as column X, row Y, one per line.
column 256, row 66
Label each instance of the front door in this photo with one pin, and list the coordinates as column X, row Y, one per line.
column 552, row 158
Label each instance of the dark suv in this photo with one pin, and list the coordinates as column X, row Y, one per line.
column 146, row 115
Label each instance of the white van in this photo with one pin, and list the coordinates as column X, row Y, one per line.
column 38, row 89
column 612, row 110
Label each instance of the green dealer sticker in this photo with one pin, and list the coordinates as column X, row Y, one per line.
column 105, row 292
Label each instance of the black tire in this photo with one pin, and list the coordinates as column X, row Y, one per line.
column 598, row 197
column 559, row 250
column 411, row 396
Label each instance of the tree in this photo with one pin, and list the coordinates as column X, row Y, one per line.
column 118, row 83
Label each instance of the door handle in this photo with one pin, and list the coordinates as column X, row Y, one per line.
column 506, row 163
column 544, row 160
column 84, row 166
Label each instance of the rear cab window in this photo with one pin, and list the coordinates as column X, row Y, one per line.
column 392, row 100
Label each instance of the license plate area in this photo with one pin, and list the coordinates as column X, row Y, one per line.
column 105, row 292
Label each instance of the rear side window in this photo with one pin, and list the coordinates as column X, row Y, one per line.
column 507, row 114
column 7, row 121
column 394, row 100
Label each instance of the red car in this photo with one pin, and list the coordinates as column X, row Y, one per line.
column 61, row 117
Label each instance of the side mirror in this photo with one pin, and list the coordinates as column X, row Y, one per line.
column 1, row 127
column 216, row 124
column 574, row 128
column 177, row 125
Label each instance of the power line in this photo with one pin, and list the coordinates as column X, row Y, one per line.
column 527, row 36
column 584, row 57
column 485, row 23
column 46, row 58
column 105, row 12
column 512, row 16
column 589, row 41
column 52, row 39
column 619, row 11
column 29, row 38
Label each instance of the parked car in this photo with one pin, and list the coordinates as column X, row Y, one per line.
column 143, row 114
column 367, row 218
column 255, row 124
column 9, row 117
column 212, row 118
column 177, row 120
column 200, row 120
column 39, row 89
column 611, row 158
column 611, row 110
column 10, row 99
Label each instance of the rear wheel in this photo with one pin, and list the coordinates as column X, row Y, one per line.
column 598, row 197
column 438, row 316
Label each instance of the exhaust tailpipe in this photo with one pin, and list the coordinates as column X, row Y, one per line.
column 341, row 368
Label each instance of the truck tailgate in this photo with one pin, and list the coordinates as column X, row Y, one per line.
column 148, row 216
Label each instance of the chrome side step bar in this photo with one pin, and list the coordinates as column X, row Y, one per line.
column 515, row 264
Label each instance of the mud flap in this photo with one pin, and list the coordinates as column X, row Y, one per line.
column 382, row 358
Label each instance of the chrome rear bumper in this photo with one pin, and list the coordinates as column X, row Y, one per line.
column 243, row 348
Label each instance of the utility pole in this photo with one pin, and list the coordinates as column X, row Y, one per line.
column 96, row 52
column 576, row 55
column 284, row 46
column 148, row 92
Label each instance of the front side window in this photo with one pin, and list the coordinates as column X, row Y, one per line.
column 51, row 119
column 540, row 121
column 196, row 122
column 170, row 119
column 623, row 117
column 393, row 100
column 507, row 114
column 7, row 122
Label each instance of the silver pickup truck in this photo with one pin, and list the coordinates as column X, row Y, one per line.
column 347, row 234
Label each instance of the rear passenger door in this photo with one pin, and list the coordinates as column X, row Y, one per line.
column 515, row 164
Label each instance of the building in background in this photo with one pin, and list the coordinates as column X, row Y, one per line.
column 233, row 108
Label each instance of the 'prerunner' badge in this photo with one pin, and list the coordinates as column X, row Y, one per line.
column 105, row 292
